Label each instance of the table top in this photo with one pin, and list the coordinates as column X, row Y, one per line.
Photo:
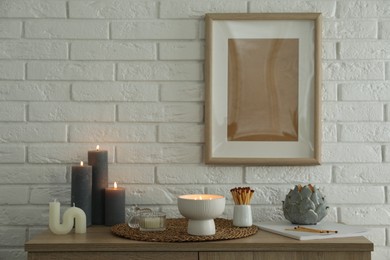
column 100, row 238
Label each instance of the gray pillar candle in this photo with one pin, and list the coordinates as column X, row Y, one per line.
column 115, row 206
column 98, row 159
column 81, row 189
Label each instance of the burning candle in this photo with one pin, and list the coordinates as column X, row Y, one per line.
column 201, row 196
column 98, row 159
column 200, row 210
column 81, row 189
column 152, row 221
column 72, row 216
column 115, row 205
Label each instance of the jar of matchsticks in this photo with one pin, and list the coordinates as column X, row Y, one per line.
column 242, row 213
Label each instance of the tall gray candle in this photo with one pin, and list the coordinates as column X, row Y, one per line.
column 115, row 206
column 98, row 159
column 81, row 189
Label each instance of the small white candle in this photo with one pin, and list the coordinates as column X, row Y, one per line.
column 71, row 216
column 152, row 222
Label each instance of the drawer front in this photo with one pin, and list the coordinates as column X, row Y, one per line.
column 312, row 255
column 226, row 255
column 113, row 255
column 284, row 255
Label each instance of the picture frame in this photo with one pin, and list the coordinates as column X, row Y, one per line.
column 263, row 84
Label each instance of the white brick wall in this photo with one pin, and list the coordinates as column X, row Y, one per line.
column 128, row 75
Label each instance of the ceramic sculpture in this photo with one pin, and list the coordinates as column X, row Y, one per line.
column 305, row 205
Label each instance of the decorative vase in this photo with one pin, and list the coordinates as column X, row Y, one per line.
column 305, row 205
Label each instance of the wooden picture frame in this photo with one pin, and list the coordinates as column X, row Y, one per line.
column 263, row 81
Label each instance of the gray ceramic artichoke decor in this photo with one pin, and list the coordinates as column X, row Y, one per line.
column 305, row 205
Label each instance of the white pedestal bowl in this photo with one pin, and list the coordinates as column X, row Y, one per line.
column 200, row 210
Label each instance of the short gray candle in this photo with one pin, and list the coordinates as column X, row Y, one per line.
column 81, row 189
column 115, row 206
column 98, row 159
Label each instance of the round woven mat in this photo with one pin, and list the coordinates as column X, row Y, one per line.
column 177, row 232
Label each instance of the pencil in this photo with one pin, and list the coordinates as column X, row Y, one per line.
column 312, row 230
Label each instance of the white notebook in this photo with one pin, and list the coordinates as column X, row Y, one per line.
column 343, row 230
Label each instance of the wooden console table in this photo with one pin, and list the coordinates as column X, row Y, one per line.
column 98, row 243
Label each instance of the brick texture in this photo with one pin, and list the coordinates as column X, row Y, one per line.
column 129, row 75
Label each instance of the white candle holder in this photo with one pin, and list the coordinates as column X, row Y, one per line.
column 242, row 216
column 201, row 209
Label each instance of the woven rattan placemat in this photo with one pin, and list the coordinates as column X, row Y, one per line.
column 177, row 232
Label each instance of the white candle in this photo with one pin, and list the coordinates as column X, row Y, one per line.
column 71, row 216
column 201, row 197
column 152, row 222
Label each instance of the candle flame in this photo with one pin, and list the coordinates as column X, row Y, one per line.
column 97, row 147
column 81, row 163
column 115, row 185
